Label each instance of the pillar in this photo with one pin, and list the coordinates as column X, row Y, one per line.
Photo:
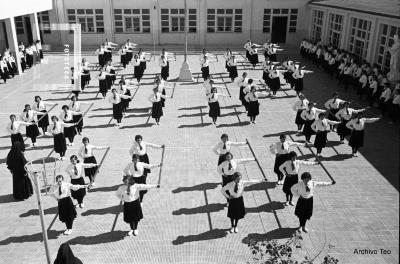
column 34, row 26
column 203, row 22
column 13, row 41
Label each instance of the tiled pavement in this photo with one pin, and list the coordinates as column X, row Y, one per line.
column 185, row 221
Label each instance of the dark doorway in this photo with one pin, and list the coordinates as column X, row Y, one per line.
column 28, row 28
column 279, row 29
column 5, row 34
column 40, row 31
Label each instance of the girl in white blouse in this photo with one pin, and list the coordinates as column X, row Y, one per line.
column 205, row 69
column 164, row 68
column 14, row 128
column 75, row 106
column 357, row 125
column 333, row 105
column 32, row 130
column 227, row 168
column 137, row 69
column 290, row 168
column 86, row 153
column 102, row 77
column 309, row 115
column 115, row 100
column 224, row 146
column 233, row 191
column 41, row 106
column 215, row 110
column 66, row 208
column 57, row 129
column 322, row 126
column 75, row 171
column 67, row 116
column 232, row 68
column 344, row 115
column 129, row 194
column 299, row 106
column 305, row 190
column 253, row 104
column 140, row 148
column 156, row 110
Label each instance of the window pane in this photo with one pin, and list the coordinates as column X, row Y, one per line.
column 182, row 24
column 118, row 23
column 285, row 11
column 146, row 23
column 164, row 11
column 267, row 11
column 164, row 17
column 89, row 11
column 165, row 30
column 118, row 30
column 69, row 11
column 210, row 23
column 164, row 23
column 293, row 11
column 99, row 11
column 174, row 11
column 146, row 30
column 229, row 11
column 117, row 11
column 192, row 11
column 71, row 18
column 221, row 11
column 100, row 17
column 100, row 30
column 136, row 11
column 127, row 11
column 80, row 11
column 210, row 11
column 210, row 29
column 146, row 11
column 192, row 17
column 238, row 11
column 174, row 24
column 181, row 11
column 276, row 11
column 118, row 17
column 266, row 29
column 210, row 17
column 136, row 24
column 192, row 23
column 146, row 17
column 220, row 23
column 192, row 29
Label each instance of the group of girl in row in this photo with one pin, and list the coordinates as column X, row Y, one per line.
column 29, row 56
column 369, row 81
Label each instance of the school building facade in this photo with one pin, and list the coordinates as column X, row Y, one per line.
column 362, row 27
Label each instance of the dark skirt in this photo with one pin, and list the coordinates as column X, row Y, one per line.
column 132, row 211
column 32, row 131
column 299, row 86
column 299, row 120
column 253, row 59
column 242, row 96
column 233, row 72
column 332, row 113
column 254, row 108
column 279, row 160
column 145, row 159
column 275, row 84
column 236, row 208
column 307, row 130
column 357, row 139
column 79, row 194
column 205, row 72
column 41, row 54
column 164, row 73
column 342, row 129
column 156, row 110
column 226, row 179
column 290, row 180
column 15, row 138
column 75, row 119
column 66, row 210
column 123, row 60
column 60, row 145
column 69, row 132
column 215, row 110
column 320, row 139
column 304, row 208
column 221, row 159
column 101, row 59
column 117, row 111
column 22, row 185
column 143, row 66
column 162, row 99
column 247, row 55
column 90, row 172
column 141, row 180
column 102, row 86
column 138, row 72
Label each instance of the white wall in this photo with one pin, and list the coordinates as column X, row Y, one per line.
column 22, row 7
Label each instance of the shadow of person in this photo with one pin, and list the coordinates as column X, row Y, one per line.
column 103, row 211
column 269, row 207
column 105, row 189
column 108, row 237
column 52, row 210
column 209, row 208
column 262, row 186
column 199, row 187
column 51, row 234
column 208, row 235
column 289, row 132
column 279, row 233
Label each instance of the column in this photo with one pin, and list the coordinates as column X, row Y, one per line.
column 325, row 21
column 61, row 19
column 34, row 26
column 373, row 40
column 202, row 22
column 108, row 20
column 13, row 41
column 155, row 22
column 345, row 31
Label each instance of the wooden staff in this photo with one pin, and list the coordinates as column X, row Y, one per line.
column 255, row 157
column 87, row 110
column 162, row 164
column 226, row 86
column 101, row 163
column 173, row 91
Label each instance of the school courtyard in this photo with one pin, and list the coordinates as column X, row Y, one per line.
column 185, row 220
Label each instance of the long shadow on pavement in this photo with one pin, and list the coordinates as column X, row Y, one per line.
column 209, row 208
column 98, row 239
column 208, row 235
column 279, row 233
column 199, row 187
column 52, row 210
column 103, row 211
column 51, row 234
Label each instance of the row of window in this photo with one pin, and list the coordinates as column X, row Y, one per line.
column 173, row 20
column 360, row 30
column 43, row 20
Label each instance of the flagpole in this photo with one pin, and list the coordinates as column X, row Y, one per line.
column 185, row 74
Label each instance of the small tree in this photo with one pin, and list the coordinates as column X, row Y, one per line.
column 273, row 252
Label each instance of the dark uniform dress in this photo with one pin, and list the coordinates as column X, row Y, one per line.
column 156, row 110
column 22, row 186
column 215, row 110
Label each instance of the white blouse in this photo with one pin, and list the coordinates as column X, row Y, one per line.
column 41, row 106
column 59, row 127
column 224, row 169
column 251, row 97
column 360, row 125
column 89, row 150
column 79, row 169
column 292, row 168
column 156, row 97
column 242, row 82
column 213, row 97
column 122, row 192
column 116, row 98
column 135, row 149
column 30, row 116
column 342, row 114
column 222, row 148
column 67, row 116
column 140, row 166
column 66, row 188
column 323, row 125
column 299, row 188
column 76, row 106
column 230, row 187
column 333, row 103
column 16, row 127
column 283, row 148
column 300, row 105
column 204, row 63
column 311, row 114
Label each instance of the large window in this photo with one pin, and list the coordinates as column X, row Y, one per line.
column 173, row 20
column 317, row 25
column 224, row 20
column 290, row 13
column 132, row 20
column 335, row 29
column 359, row 36
column 385, row 41
column 91, row 20
column 44, row 22
column 19, row 25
